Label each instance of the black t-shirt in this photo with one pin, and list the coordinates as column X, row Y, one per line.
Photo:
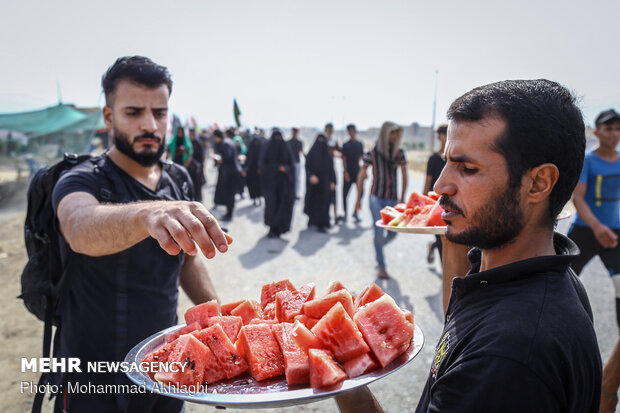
column 115, row 301
column 517, row 338
column 434, row 167
column 353, row 151
column 296, row 147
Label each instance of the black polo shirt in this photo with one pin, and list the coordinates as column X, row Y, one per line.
column 517, row 338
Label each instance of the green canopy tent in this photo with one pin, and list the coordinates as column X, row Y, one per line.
column 60, row 127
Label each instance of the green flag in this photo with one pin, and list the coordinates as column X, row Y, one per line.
column 236, row 112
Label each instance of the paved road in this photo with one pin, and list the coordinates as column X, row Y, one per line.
column 346, row 253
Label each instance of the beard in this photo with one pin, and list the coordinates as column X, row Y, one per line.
column 494, row 225
column 147, row 157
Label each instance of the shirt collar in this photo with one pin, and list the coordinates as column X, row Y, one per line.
column 566, row 251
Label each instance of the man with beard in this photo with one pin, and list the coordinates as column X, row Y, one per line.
column 518, row 333
column 278, row 183
column 130, row 237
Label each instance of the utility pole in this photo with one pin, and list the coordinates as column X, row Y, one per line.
column 434, row 113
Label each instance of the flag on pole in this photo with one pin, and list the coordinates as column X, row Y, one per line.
column 236, row 112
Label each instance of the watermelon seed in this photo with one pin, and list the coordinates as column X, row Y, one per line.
column 383, row 330
column 192, row 365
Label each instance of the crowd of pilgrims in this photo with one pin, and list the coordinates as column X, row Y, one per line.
column 270, row 168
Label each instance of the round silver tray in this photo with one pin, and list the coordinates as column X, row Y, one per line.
column 413, row 230
column 245, row 392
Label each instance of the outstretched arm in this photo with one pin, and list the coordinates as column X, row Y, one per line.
column 97, row 229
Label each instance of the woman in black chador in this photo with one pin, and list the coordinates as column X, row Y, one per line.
column 251, row 162
column 277, row 171
column 320, row 181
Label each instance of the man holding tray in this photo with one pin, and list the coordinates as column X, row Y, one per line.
column 518, row 334
column 131, row 236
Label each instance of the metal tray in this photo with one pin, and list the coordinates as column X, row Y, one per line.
column 244, row 392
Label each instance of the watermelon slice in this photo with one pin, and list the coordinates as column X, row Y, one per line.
column 369, row 294
column 335, row 286
column 385, row 328
column 388, row 214
column 359, row 365
column 230, row 324
column 434, row 217
column 416, row 199
column 269, row 311
column 433, row 195
column 307, row 321
column 225, row 309
column 296, row 365
column 305, row 338
column 170, row 337
column 340, row 334
column 268, row 292
column 289, row 304
column 324, row 371
column 159, row 356
column 263, row 321
column 213, row 371
column 192, row 353
column 247, row 310
column 401, row 207
column 202, row 313
column 230, row 360
column 261, row 351
column 318, row 307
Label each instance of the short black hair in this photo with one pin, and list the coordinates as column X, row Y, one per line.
column 543, row 125
column 351, row 125
column 329, row 125
column 442, row 129
column 218, row 133
column 137, row 69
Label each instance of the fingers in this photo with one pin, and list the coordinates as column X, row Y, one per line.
column 215, row 234
column 165, row 241
column 181, row 236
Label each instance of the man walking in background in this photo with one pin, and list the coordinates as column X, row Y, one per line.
column 297, row 148
column 352, row 152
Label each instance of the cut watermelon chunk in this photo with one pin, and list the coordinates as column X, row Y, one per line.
column 324, row 371
column 400, row 207
column 192, row 354
column 268, row 292
column 202, row 313
column 359, row 365
column 368, row 295
column 296, row 365
column 305, row 338
column 247, row 310
column 230, row 360
column 388, row 214
column 170, row 337
column 318, row 307
column 434, row 217
column 261, row 351
column 307, row 321
column 416, row 199
column 290, row 303
column 269, row 311
column 385, row 328
column 340, row 334
column 159, row 356
column 225, row 309
column 263, row 321
column 213, row 370
column 230, row 324
column 335, row 286
column 239, row 348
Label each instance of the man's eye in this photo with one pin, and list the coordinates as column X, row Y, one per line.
column 468, row 171
column 132, row 113
column 160, row 115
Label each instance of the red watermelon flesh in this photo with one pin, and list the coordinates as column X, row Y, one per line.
column 290, row 303
column 324, row 371
column 400, row 207
column 230, row 324
column 247, row 310
column 231, row 361
column 268, row 292
column 225, row 309
column 296, row 365
column 433, row 195
column 261, row 351
column 239, row 348
column 408, row 315
column 307, row 321
column 192, row 353
column 340, row 334
column 359, row 365
column 269, row 311
column 262, row 321
column 368, row 295
column 202, row 313
column 335, row 286
column 385, row 328
column 213, row 370
column 318, row 307
column 388, row 214
column 170, row 337
column 159, row 356
column 416, row 199
column 434, row 217
column 305, row 338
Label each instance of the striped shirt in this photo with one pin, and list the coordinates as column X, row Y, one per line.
column 384, row 173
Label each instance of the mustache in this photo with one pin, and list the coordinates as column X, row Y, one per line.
column 148, row 135
column 446, row 202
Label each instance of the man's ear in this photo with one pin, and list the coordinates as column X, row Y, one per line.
column 541, row 180
column 107, row 116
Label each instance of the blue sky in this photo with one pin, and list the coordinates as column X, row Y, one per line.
column 309, row 62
